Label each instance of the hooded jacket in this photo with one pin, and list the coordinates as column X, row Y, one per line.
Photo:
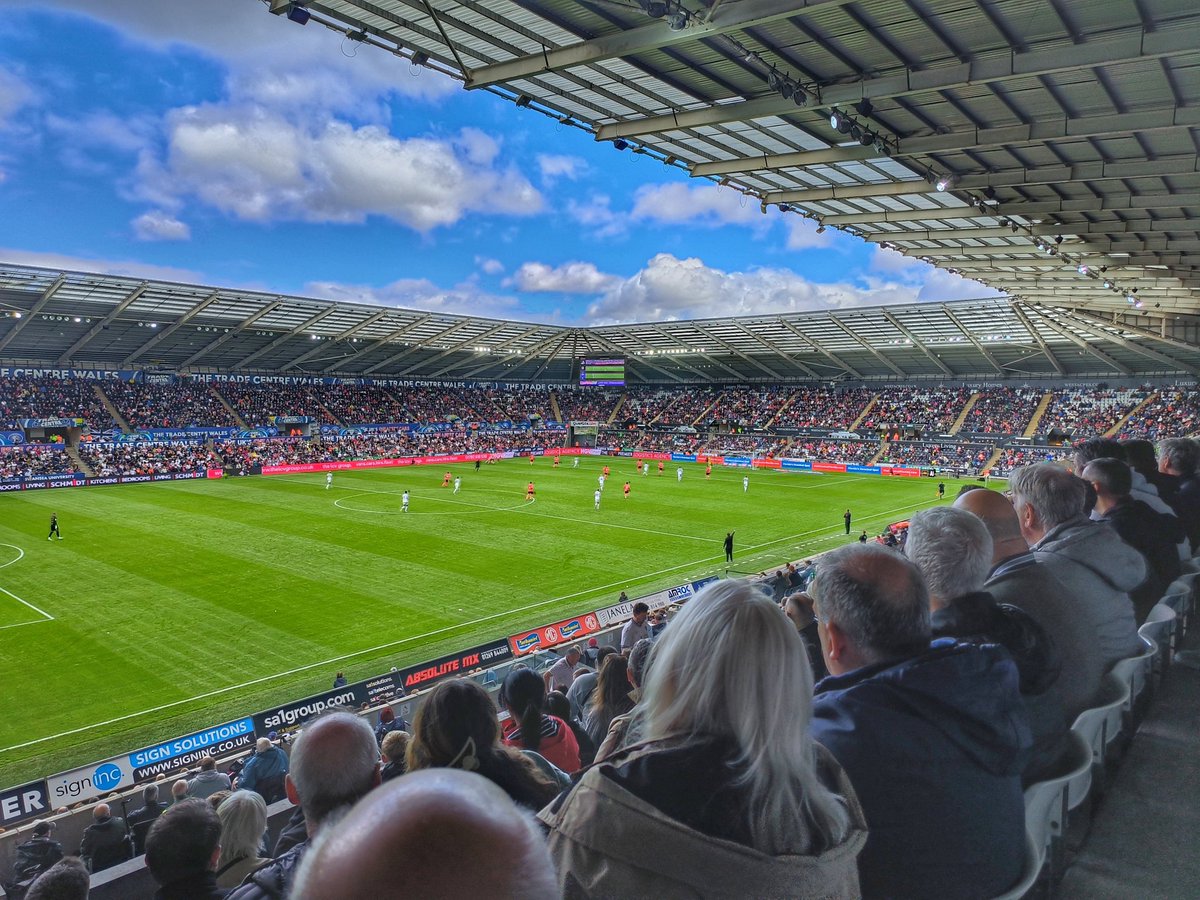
column 272, row 881
column 610, row 837
column 1156, row 537
column 35, row 856
column 1027, row 584
column 269, row 766
column 934, row 746
column 208, row 783
column 1099, row 569
column 977, row 618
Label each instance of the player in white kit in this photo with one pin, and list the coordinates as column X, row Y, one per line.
column 745, row 483
column 328, row 480
column 457, row 483
column 597, row 498
column 679, row 474
column 404, row 502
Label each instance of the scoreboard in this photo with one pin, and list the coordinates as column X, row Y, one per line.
column 602, row 372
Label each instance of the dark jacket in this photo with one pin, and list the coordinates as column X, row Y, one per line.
column 104, row 843
column 194, row 887
column 294, row 833
column 264, row 773
column 934, row 746
column 35, row 856
column 1027, row 584
column 978, row 619
column 272, row 881
column 139, row 822
column 1156, row 537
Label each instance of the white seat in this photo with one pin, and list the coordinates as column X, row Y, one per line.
column 1134, row 671
column 1160, row 628
column 1034, row 858
column 1179, row 598
column 1046, row 804
column 1093, row 725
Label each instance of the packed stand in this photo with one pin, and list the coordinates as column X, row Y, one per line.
column 34, row 461
column 590, row 404
column 1002, row 411
column 184, row 404
column 145, row 458
column 851, row 452
column 928, row 410
column 52, row 398
column 1080, row 412
column 525, row 403
column 652, row 441
column 666, row 408
column 1172, row 413
column 752, row 408
column 758, row 445
column 361, row 404
column 941, row 455
column 1014, row 457
column 257, row 405
column 825, row 407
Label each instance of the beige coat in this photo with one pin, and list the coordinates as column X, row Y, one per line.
column 606, row 842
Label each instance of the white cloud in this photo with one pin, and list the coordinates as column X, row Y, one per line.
column 422, row 294
column 802, row 234
column 15, row 257
column 260, row 166
column 709, row 205
column 157, row 225
column 555, row 166
column 569, row 278
column 596, row 214
column 887, row 260
column 933, row 284
column 672, row 288
column 489, row 266
column 15, row 93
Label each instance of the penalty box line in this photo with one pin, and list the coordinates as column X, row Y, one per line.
column 45, row 616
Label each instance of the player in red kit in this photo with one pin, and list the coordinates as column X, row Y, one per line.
column 529, row 491
column 446, row 479
column 627, row 490
column 708, row 471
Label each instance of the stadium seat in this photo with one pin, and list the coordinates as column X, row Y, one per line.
column 1134, row 671
column 1046, row 805
column 1160, row 628
column 1094, row 726
column 1180, row 597
column 1035, row 856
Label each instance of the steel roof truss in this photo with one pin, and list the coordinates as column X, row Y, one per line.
column 163, row 333
column 38, row 306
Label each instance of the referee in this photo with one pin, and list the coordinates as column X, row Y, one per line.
column 54, row 527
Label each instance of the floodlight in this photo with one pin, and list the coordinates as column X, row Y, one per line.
column 621, row 144
column 298, row 14
column 944, row 182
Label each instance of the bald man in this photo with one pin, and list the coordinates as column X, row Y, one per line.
column 104, row 843
column 1017, row 578
column 933, row 737
column 444, row 832
column 334, row 763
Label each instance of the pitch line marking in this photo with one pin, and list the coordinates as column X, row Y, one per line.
column 46, row 617
column 336, row 659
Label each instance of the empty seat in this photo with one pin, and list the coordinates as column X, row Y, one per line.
column 1135, row 672
column 1160, row 628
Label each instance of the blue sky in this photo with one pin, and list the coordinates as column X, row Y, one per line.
column 212, row 142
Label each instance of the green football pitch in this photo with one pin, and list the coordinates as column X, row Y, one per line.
column 169, row 607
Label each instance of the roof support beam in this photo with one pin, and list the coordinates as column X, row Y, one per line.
column 1106, row 49
column 1102, row 331
column 164, row 333
column 1041, row 342
column 284, row 338
column 344, row 336
column 1134, row 329
column 774, row 348
column 383, row 341
column 844, row 366
column 739, row 353
column 528, row 352
column 879, row 356
column 1013, row 209
column 933, row 357
column 1182, row 164
column 457, row 348
column 797, row 160
column 652, row 36
column 232, row 332
column 852, row 192
column 977, row 344
column 1082, row 344
column 673, row 338
column 420, row 345
column 496, row 350
column 128, row 300
column 38, row 306
column 640, row 360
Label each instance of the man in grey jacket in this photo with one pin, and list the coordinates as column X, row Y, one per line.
column 1096, row 566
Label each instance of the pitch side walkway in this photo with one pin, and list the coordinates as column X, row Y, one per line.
column 1144, row 840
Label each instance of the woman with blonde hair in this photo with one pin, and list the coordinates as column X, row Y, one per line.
column 719, row 791
column 243, row 816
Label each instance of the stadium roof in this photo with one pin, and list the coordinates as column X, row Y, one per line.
column 70, row 319
column 1072, row 125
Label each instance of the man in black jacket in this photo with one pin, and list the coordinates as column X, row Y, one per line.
column 34, row 857
column 334, row 763
column 105, row 841
column 143, row 817
column 182, row 849
column 1152, row 534
column 953, row 550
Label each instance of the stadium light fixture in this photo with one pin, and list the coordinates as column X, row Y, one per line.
column 1082, row 269
column 821, row 229
column 944, row 183
column 298, row 14
column 523, row 101
column 677, row 20
column 621, row 144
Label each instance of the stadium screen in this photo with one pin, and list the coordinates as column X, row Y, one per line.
column 602, row 372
